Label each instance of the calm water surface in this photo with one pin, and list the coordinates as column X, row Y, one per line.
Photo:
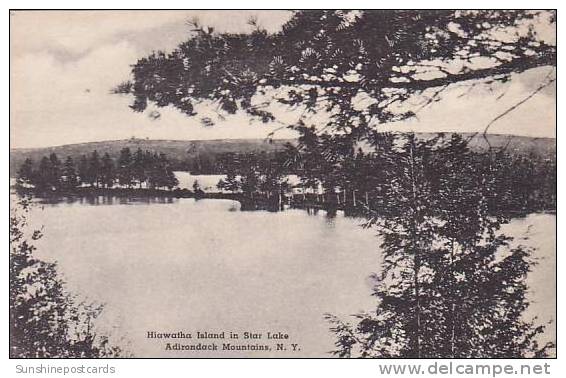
column 198, row 265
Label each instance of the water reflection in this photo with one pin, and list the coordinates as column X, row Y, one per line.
column 203, row 264
column 180, row 266
column 104, row 200
column 109, row 200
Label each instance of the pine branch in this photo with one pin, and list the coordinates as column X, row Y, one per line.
column 518, row 104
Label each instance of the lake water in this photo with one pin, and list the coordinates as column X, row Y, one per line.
column 193, row 265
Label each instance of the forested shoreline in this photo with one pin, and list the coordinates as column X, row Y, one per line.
column 450, row 281
column 142, row 169
column 439, row 207
column 355, row 181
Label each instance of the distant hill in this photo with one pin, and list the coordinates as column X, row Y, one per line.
column 515, row 144
column 184, row 154
column 203, row 153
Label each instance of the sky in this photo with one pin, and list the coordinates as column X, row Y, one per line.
column 64, row 64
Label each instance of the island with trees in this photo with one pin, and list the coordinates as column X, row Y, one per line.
column 98, row 174
column 260, row 180
column 451, row 285
column 445, row 291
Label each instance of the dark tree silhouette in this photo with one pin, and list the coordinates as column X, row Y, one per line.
column 83, row 170
column 229, row 165
column 124, row 168
column 138, row 169
column 93, row 171
column 154, row 169
column 366, row 68
column 69, row 179
column 231, row 183
column 107, row 174
column 44, row 177
column 328, row 60
column 55, row 171
column 448, row 287
column 25, row 173
column 45, row 320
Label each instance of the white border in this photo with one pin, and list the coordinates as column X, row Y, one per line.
column 250, row 368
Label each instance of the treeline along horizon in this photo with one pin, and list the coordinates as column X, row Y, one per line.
column 525, row 182
column 141, row 168
column 356, row 178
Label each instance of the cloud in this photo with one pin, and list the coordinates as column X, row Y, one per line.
column 71, row 34
column 77, row 32
column 63, row 65
column 55, row 102
column 464, row 110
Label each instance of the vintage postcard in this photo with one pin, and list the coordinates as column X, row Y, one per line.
column 283, row 184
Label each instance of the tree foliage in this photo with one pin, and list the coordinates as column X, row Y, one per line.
column 45, row 320
column 450, row 285
column 254, row 174
column 329, row 61
column 145, row 168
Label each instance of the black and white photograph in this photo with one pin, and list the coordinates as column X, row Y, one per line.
column 274, row 184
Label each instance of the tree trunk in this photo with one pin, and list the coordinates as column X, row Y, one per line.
column 453, row 304
column 416, row 257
